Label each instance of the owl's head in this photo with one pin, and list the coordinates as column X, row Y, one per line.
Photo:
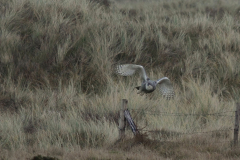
column 150, row 86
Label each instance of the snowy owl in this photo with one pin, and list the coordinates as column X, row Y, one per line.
column 147, row 86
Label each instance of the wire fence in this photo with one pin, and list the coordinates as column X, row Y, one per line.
column 224, row 114
column 218, row 114
column 220, row 135
column 209, row 142
column 198, row 132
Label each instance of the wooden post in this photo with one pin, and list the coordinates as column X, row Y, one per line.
column 131, row 122
column 122, row 119
column 236, row 127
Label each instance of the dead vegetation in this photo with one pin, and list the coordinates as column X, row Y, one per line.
column 58, row 90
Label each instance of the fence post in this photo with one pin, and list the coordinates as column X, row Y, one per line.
column 122, row 119
column 236, row 127
column 131, row 122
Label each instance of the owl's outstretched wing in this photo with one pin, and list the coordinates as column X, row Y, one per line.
column 130, row 69
column 166, row 88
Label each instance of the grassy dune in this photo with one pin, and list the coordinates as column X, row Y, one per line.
column 59, row 96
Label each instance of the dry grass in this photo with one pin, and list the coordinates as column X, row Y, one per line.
column 59, row 96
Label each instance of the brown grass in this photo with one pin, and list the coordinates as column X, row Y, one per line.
column 60, row 98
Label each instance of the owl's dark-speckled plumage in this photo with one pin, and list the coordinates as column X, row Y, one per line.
column 147, row 86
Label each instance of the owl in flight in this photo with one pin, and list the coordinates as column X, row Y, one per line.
column 147, row 86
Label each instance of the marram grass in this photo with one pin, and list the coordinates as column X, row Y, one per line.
column 59, row 95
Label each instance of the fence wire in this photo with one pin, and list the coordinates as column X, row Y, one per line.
column 190, row 133
column 218, row 114
column 172, row 133
column 167, row 134
column 210, row 142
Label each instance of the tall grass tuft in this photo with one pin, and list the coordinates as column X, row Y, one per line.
column 58, row 89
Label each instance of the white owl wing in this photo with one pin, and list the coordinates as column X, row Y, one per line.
column 130, row 69
column 166, row 88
